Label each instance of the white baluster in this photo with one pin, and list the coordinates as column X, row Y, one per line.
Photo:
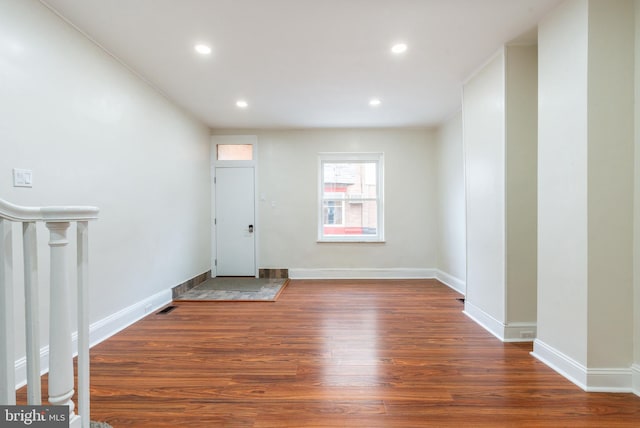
column 32, row 312
column 83, row 322
column 7, row 355
column 60, row 350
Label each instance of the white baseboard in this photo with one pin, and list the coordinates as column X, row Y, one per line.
column 485, row 320
column 512, row 332
column 561, row 363
column 21, row 367
column 451, row 281
column 635, row 374
column 383, row 273
column 589, row 379
column 100, row 331
column 380, row 273
column 611, row 379
column 105, row 328
column 520, row 332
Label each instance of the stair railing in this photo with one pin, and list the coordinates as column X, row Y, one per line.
column 61, row 380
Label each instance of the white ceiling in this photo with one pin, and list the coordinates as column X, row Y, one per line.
column 307, row 63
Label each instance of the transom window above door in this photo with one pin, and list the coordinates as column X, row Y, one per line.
column 233, row 152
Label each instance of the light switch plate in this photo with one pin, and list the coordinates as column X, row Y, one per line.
column 22, row 177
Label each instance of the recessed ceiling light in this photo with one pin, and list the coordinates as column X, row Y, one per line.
column 374, row 102
column 399, row 48
column 202, row 49
column 242, row 104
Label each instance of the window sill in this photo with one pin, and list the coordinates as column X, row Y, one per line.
column 349, row 241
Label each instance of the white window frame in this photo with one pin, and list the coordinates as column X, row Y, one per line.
column 378, row 159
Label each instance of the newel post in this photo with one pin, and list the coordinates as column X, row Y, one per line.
column 60, row 350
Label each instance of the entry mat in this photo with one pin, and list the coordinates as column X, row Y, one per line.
column 240, row 289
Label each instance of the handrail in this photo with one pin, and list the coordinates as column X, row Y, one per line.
column 19, row 213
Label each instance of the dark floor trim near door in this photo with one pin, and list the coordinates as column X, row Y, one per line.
column 189, row 284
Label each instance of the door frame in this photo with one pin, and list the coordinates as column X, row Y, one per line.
column 215, row 163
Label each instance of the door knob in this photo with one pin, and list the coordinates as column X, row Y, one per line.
column 250, row 228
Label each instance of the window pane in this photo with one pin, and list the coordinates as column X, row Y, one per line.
column 234, row 151
column 355, row 219
column 333, row 213
column 353, row 178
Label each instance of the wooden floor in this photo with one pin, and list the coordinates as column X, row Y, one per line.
column 335, row 354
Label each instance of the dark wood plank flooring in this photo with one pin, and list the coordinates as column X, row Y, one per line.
column 335, row 354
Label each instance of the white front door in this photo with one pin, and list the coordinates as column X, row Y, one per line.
column 235, row 221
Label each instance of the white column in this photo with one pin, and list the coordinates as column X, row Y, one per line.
column 60, row 350
column 585, row 203
column 7, row 356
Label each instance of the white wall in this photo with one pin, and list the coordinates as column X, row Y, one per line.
column 483, row 121
column 288, row 215
column 636, row 228
column 585, row 193
column 562, row 186
column 450, row 207
column 95, row 134
column 521, row 138
column 499, row 119
column 610, row 183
